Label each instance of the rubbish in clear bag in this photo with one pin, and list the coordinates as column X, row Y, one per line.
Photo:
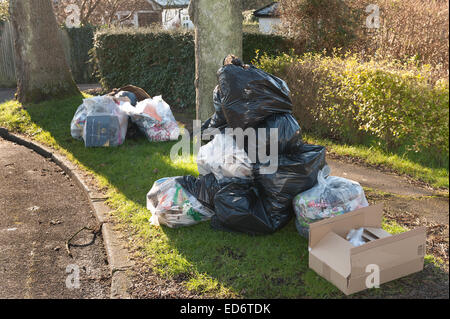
column 224, row 159
column 331, row 196
column 171, row 205
column 100, row 122
column 249, row 95
column 154, row 118
column 78, row 122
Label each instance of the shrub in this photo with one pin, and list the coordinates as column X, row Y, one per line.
column 4, row 11
column 81, row 42
column 352, row 101
column 416, row 29
column 163, row 62
column 317, row 25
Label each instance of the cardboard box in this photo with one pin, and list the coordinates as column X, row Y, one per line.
column 338, row 261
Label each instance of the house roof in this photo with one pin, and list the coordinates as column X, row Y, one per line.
column 271, row 10
column 173, row 3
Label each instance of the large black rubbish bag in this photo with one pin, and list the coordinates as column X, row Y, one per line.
column 217, row 120
column 203, row 188
column 250, row 95
column 289, row 136
column 296, row 173
column 239, row 208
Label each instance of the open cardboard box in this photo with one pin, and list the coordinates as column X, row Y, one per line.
column 338, row 261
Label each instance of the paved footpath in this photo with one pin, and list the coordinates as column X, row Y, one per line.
column 40, row 209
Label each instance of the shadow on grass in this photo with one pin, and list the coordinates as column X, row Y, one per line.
column 216, row 263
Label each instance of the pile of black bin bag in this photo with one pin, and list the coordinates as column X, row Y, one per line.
column 249, row 97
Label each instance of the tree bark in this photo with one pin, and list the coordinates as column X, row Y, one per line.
column 42, row 70
column 218, row 32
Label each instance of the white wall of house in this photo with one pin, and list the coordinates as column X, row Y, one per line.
column 173, row 17
column 268, row 25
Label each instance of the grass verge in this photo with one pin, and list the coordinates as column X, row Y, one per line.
column 212, row 263
column 436, row 177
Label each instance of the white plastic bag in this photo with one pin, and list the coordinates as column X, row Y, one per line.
column 223, row 158
column 154, row 118
column 331, row 196
column 172, row 206
column 355, row 237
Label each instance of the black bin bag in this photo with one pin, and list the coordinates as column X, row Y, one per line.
column 239, row 208
column 203, row 188
column 296, row 173
column 250, row 95
column 289, row 136
column 217, row 120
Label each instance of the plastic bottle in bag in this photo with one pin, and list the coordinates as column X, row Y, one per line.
column 331, row 196
column 171, row 205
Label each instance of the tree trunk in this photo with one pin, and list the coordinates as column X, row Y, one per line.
column 41, row 66
column 218, row 32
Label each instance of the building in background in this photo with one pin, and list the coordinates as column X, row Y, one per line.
column 175, row 14
column 169, row 13
column 130, row 13
column 269, row 18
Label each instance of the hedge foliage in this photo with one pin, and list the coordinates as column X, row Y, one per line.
column 349, row 100
column 81, row 42
column 162, row 62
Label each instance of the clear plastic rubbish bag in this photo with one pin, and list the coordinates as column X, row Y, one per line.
column 99, row 122
column 106, row 124
column 223, row 158
column 78, row 122
column 171, row 205
column 155, row 119
column 331, row 196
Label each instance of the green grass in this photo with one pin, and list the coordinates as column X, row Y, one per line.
column 213, row 263
column 435, row 176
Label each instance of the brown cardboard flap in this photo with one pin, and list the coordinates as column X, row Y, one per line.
column 379, row 232
column 389, row 252
column 370, row 216
column 334, row 251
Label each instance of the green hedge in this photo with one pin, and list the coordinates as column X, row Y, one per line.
column 162, row 62
column 81, row 42
column 382, row 103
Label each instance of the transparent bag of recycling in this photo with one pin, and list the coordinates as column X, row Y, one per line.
column 99, row 122
column 171, row 205
column 78, row 122
column 331, row 196
column 106, row 124
column 154, row 118
column 223, row 158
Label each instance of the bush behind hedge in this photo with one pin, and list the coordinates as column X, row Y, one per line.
column 353, row 101
column 163, row 62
